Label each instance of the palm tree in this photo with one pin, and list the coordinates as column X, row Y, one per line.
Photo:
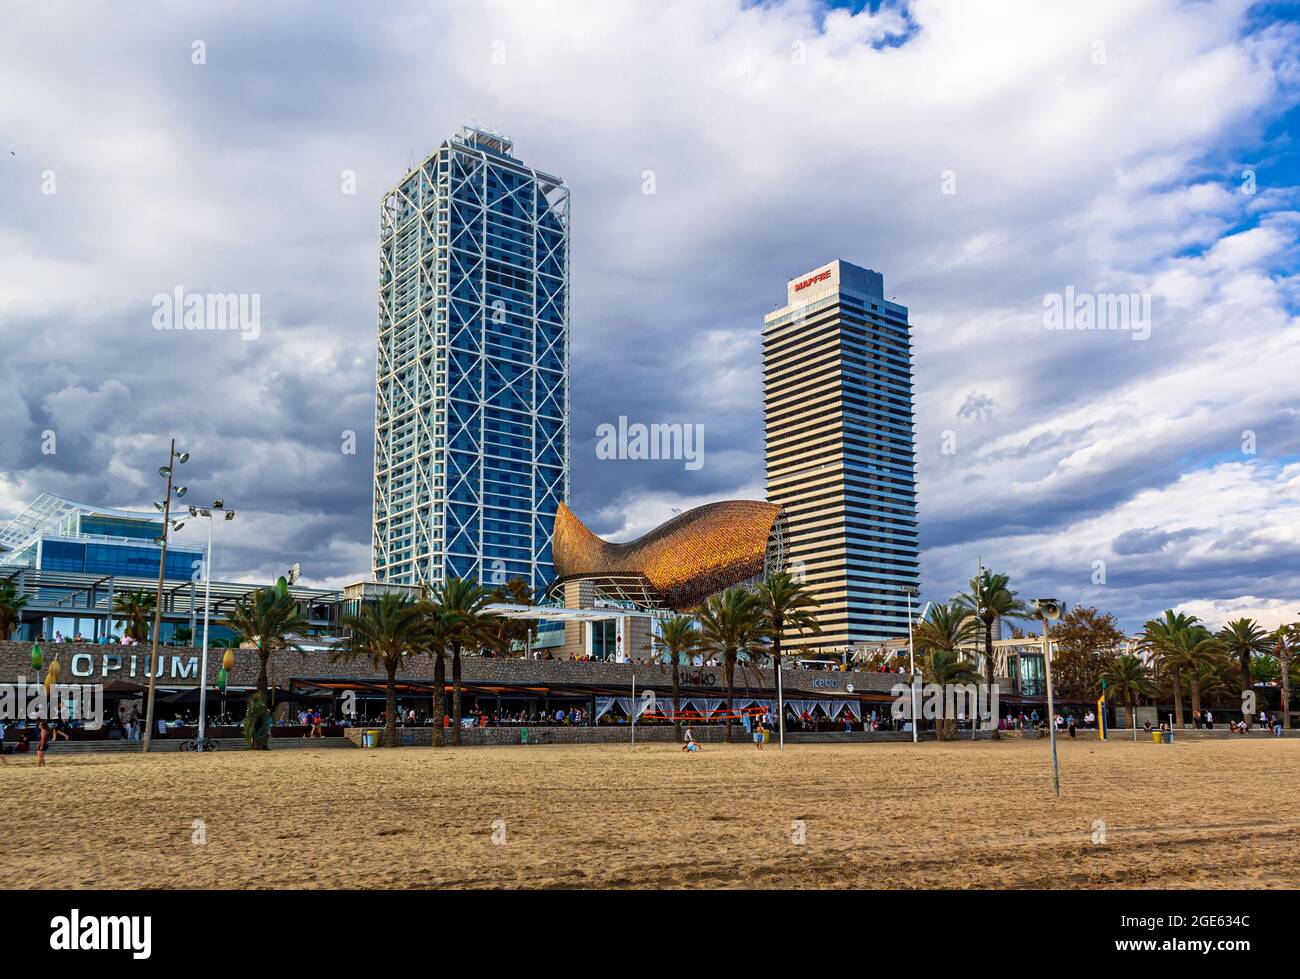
column 11, row 608
column 989, row 599
column 1161, row 638
column 947, row 626
column 1244, row 638
column 269, row 618
column 134, row 610
column 944, row 667
column 1128, row 677
column 461, row 602
column 681, row 640
column 1196, row 649
column 733, row 625
column 1285, row 639
column 516, row 591
column 1215, row 677
column 435, row 637
column 384, row 631
column 786, row 605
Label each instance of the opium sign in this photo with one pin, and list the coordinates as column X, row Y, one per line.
column 133, row 665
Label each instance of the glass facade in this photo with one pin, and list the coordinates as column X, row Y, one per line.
column 59, row 535
column 471, row 436
column 121, row 560
column 101, row 526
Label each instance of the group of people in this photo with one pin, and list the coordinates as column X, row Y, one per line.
column 43, row 735
column 573, row 716
column 477, row 717
column 110, row 640
column 128, row 724
column 758, row 724
column 311, row 719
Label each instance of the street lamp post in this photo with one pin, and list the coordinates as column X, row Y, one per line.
column 1050, row 610
column 167, row 471
column 911, row 659
column 219, row 506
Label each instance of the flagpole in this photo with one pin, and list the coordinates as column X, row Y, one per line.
column 780, row 705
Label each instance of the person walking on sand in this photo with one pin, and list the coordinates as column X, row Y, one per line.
column 44, row 738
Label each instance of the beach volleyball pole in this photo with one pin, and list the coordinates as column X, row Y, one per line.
column 1050, row 609
column 780, row 706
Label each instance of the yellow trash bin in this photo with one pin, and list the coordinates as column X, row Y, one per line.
column 370, row 739
column 1158, row 736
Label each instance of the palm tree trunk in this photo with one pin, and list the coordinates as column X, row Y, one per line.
column 996, row 735
column 677, row 702
column 455, row 694
column 1178, row 698
column 1286, row 686
column 730, row 661
column 1245, row 681
column 1195, row 680
column 263, row 657
column 439, row 682
column 390, row 708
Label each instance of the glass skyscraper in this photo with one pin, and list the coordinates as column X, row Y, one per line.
column 472, row 393
column 837, row 379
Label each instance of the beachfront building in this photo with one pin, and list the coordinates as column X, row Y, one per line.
column 837, row 382
column 71, row 560
column 472, row 394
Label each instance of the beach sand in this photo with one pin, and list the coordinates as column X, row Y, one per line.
column 888, row 815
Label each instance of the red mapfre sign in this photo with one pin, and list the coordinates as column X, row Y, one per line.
column 798, row 286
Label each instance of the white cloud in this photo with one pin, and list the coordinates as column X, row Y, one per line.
column 779, row 136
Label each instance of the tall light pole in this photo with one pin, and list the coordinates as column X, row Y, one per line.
column 1050, row 610
column 219, row 506
column 166, row 472
column 911, row 662
column 909, row 590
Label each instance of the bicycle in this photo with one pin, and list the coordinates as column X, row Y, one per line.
column 200, row 744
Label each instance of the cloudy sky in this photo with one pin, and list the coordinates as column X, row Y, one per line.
column 981, row 156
